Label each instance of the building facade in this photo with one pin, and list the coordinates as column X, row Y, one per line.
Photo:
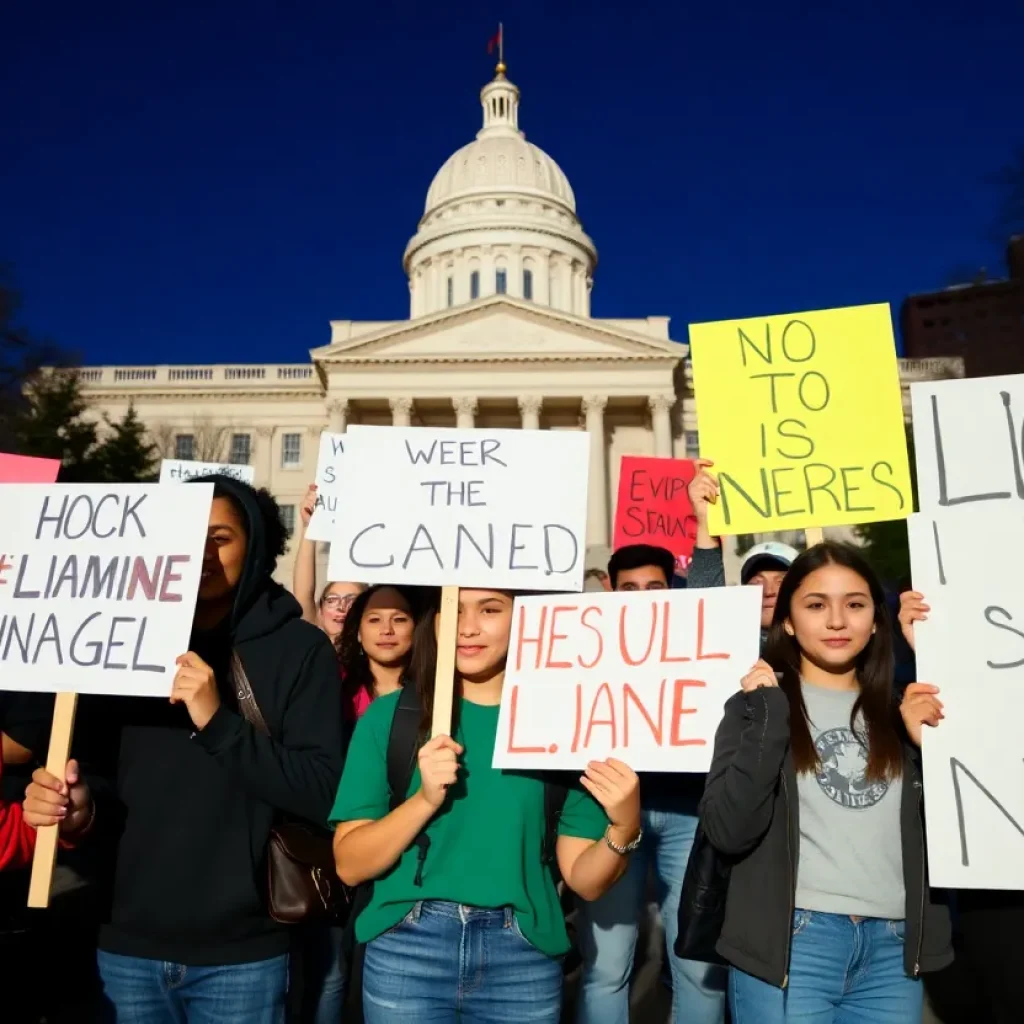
column 981, row 323
column 499, row 334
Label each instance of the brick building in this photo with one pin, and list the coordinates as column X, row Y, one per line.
column 983, row 323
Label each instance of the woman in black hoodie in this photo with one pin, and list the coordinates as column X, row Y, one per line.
column 196, row 788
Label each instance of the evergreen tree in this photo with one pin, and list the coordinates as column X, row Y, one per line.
column 126, row 455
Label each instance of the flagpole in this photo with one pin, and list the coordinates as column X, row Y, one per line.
column 501, row 43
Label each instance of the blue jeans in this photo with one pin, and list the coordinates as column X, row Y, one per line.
column 608, row 929
column 841, row 971
column 137, row 991
column 446, row 963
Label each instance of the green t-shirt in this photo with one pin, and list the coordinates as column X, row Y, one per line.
column 485, row 842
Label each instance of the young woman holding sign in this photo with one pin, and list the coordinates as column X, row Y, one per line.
column 473, row 932
column 196, row 787
column 814, row 796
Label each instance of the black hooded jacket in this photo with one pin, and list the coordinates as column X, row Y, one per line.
column 194, row 810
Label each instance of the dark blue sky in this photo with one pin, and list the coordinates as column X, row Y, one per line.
column 212, row 180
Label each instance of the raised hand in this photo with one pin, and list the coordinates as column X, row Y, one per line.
column 308, row 504
column 702, row 490
column 195, row 686
column 912, row 609
column 439, row 768
column 616, row 787
column 920, row 707
column 762, row 674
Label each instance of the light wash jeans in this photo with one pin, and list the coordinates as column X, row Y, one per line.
column 448, row 963
column 608, row 928
column 138, row 991
column 841, row 971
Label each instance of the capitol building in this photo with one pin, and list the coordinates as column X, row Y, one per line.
column 499, row 334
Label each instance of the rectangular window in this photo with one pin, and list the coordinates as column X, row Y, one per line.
column 241, row 450
column 474, row 285
column 291, row 451
column 528, row 285
column 500, row 282
column 692, row 444
column 451, row 291
column 288, row 518
column 185, row 447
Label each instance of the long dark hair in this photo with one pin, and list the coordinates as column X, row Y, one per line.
column 356, row 674
column 875, row 668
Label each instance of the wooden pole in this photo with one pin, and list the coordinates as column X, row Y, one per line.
column 444, row 678
column 64, row 707
column 813, row 535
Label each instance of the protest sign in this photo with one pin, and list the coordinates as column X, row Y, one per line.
column 653, row 506
column 641, row 676
column 98, row 585
column 177, row 471
column 328, row 489
column 466, row 508
column 23, row 469
column 803, row 417
column 968, row 562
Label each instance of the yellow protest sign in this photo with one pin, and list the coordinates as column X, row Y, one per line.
column 803, row 416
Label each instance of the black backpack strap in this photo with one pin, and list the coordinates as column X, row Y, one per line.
column 403, row 746
column 555, row 793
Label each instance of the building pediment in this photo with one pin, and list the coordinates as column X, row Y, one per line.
column 499, row 329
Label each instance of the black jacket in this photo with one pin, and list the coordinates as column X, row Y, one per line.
column 194, row 810
column 750, row 813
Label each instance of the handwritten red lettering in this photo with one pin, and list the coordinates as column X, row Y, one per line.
column 523, row 640
column 513, row 712
column 5, row 566
column 667, row 658
column 658, row 731
column 170, row 576
column 553, row 636
column 597, row 632
column 603, row 690
column 579, row 718
column 623, row 650
column 701, row 656
column 678, row 710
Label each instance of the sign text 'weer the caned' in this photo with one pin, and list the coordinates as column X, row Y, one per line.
column 641, row 676
column 469, row 508
column 967, row 556
column 803, row 417
column 98, row 585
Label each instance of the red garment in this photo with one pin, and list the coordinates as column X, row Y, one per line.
column 17, row 840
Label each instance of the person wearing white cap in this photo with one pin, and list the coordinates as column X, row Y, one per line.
column 765, row 566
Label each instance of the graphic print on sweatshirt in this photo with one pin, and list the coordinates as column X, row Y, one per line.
column 843, row 773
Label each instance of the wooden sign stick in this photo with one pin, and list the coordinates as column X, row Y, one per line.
column 814, row 535
column 444, row 677
column 64, row 707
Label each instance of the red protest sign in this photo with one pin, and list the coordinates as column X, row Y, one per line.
column 23, row 469
column 653, row 506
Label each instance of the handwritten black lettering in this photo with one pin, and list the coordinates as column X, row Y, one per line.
column 358, row 537
column 809, row 339
column 940, row 468
column 958, row 768
column 990, row 612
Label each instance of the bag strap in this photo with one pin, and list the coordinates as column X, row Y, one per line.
column 403, row 746
column 247, row 705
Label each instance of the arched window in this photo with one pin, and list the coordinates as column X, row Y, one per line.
column 474, row 285
column 500, row 282
column 528, row 285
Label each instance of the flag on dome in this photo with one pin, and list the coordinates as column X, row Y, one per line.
column 495, row 42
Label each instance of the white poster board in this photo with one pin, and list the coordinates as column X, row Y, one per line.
column 98, row 585
column 639, row 676
column 445, row 507
column 328, row 486
column 972, row 648
column 177, row 471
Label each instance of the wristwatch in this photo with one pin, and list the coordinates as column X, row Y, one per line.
column 622, row 851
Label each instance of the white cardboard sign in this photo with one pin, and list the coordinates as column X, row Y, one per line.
column 177, row 471
column 468, row 508
column 328, row 486
column 98, row 585
column 640, row 676
column 969, row 564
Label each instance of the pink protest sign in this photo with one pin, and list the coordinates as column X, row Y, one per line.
column 23, row 469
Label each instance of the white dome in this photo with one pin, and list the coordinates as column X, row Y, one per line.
column 500, row 218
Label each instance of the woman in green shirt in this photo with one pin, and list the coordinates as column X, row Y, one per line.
column 474, row 932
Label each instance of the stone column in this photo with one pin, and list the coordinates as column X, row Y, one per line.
column 337, row 412
column 597, row 497
column 264, row 456
column 465, row 411
column 401, row 412
column 529, row 409
column 661, row 420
